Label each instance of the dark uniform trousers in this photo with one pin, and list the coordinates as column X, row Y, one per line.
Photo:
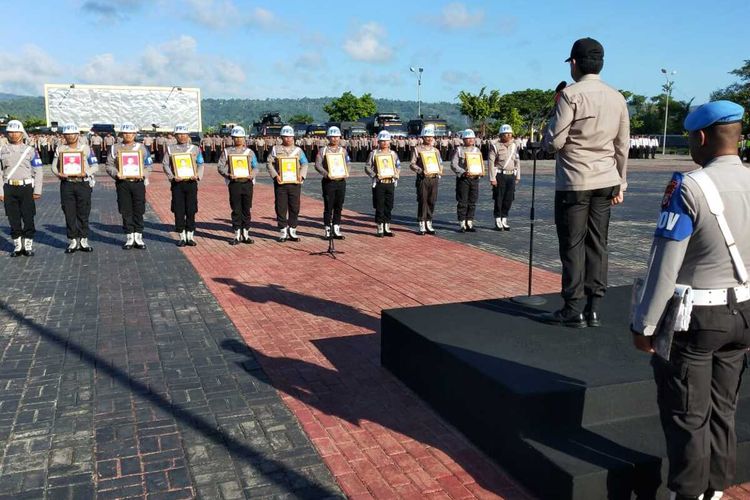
column 427, row 192
column 467, row 194
column 131, row 202
column 75, row 197
column 20, row 209
column 184, row 205
column 582, row 220
column 697, row 391
column 98, row 152
column 503, row 193
column 287, row 198
column 334, row 193
column 382, row 201
column 241, row 202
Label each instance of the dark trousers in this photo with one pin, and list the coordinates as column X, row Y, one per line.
column 427, row 192
column 582, row 220
column 334, row 193
column 97, row 152
column 184, row 205
column 20, row 209
column 131, row 203
column 697, row 393
column 382, row 200
column 287, row 203
column 467, row 194
column 240, row 201
column 503, row 193
column 653, row 152
column 75, row 198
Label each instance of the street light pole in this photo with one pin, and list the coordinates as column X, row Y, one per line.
column 418, row 72
column 668, row 88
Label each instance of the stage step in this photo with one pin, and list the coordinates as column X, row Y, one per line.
column 571, row 413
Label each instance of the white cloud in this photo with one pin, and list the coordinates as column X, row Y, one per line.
column 456, row 16
column 368, row 44
column 223, row 14
column 26, row 70
column 460, row 77
column 111, row 12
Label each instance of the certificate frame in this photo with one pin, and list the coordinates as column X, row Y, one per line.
column 336, row 166
column 288, row 169
column 430, row 164
column 385, row 166
column 130, row 170
column 239, row 166
column 183, row 166
column 474, row 164
column 76, row 159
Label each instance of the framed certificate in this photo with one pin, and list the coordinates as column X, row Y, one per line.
column 289, row 170
column 336, row 163
column 430, row 163
column 239, row 166
column 130, row 164
column 183, row 166
column 384, row 166
column 72, row 164
column 474, row 164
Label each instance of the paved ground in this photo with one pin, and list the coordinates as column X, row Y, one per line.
column 252, row 371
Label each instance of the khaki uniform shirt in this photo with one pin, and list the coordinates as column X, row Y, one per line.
column 29, row 166
column 499, row 159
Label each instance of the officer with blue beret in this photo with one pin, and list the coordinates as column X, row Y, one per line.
column 694, row 246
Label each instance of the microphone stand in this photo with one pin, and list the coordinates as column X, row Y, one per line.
column 528, row 299
column 331, row 245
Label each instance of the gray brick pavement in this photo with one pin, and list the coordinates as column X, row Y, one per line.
column 121, row 376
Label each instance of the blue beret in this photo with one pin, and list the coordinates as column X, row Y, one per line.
column 713, row 112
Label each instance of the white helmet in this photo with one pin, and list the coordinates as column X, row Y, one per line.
column 468, row 134
column 181, row 129
column 238, row 132
column 128, row 128
column 428, row 131
column 333, row 132
column 384, row 135
column 70, row 128
column 287, row 131
column 14, row 126
column 506, row 129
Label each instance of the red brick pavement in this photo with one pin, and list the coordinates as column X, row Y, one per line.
column 314, row 324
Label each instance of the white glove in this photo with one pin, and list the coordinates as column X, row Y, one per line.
column 395, row 183
column 374, row 183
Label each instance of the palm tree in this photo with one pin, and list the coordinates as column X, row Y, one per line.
column 479, row 107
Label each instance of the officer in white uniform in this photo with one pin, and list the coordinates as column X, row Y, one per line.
column 240, row 189
column 701, row 242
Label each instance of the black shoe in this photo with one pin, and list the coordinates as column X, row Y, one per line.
column 282, row 239
column 127, row 246
column 471, row 229
column 389, row 234
column 85, row 249
column 16, row 254
column 339, row 237
column 192, row 243
column 248, row 241
column 593, row 319
column 139, row 246
column 181, row 243
column 234, row 242
column 563, row 318
column 69, row 250
column 28, row 253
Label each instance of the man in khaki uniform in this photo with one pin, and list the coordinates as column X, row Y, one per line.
column 505, row 173
column 240, row 187
column 467, row 185
column 287, row 195
column 590, row 132
column 426, row 183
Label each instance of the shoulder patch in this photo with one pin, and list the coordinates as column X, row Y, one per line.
column 674, row 221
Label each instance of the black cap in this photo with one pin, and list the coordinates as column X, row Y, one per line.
column 586, row 48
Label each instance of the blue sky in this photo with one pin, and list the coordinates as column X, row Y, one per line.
column 234, row 48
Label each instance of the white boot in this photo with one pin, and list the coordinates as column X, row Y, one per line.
column 183, row 239
column 283, row 235
column 430, row 229
column 327, row 233
column 293, row 234
column 17, row 247
column 138, row 239
column 337, row 232
column 379, row 232
column 462, row 226
column 237, row 237
column 72, row 245
column 246, row 236
column 499, row 223
column 421, row 227
column 84, row 245
column 28, row 247
column 506, row 226
column 190, row 239
column 129, row 241
column 470, row 226
column 387, row 229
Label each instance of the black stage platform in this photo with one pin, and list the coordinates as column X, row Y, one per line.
column 570, row 413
